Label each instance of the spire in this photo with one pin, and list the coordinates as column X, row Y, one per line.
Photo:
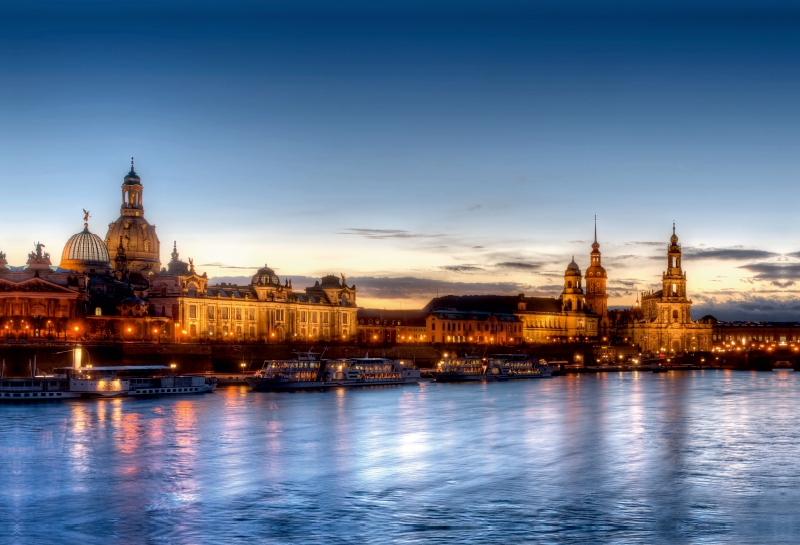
column 673, row 227
column 175, row 250
column 595, row 228
column 132, row 164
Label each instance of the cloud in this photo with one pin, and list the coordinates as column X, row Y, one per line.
column 519, row 265
column 219, row 265
column 732, row 253
column 753, row 308
column 781, row 274
column 475, row 207
column 626, row 256
column 386, row 233
column 646, row 243
column 409, row 287
column 461, row 268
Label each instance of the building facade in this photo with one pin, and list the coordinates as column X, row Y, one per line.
column 392, row 326
column 472, row 327
column 266, row 310
column 666, row 325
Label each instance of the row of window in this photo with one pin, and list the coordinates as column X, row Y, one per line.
column 753, row 338
column 279, row 314
column 458, row 326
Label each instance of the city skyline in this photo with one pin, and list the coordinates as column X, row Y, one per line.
column 416, row 151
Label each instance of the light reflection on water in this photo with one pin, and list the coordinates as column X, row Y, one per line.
column 695, row 457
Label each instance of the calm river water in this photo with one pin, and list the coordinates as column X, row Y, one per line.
column 683, row 457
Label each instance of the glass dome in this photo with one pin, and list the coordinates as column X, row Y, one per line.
column 85, row 251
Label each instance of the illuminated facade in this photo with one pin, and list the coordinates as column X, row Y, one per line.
column 266, row 310
column 133, row 234
column 666, row 325
column 596, row 296
column 392, row 326
column 40, row 300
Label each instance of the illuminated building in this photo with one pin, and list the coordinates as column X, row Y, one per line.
column 596, row 296
column 266, row 310
column 666, row 325
column 132, row 232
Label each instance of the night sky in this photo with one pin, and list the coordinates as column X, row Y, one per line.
column 463, row 147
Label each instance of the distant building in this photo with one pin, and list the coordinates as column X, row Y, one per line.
column 728, row 335
column 542, row 319
column 392, row 326
column 133, row 234
column 666, row 325
column 474, row 327
column 39, row 300
column 266, row 310
column 596, row 296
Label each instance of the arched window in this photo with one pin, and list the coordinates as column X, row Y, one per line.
column 569, row 283
column 674, row 289
column 675, row 315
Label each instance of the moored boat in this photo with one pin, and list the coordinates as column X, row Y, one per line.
column 106, row 381
column 303, row 373
column 516, row 366
column 466, row 369
column 370, row 372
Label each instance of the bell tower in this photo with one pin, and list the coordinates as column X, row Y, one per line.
column 596, row 278
column 674, row 279
column 572, row 296
column 132, row 204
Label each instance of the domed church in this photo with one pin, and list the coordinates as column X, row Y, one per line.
column 85, row 252
column 133, row 233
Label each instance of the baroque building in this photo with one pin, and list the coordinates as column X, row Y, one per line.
column 596, row 296
column 666, row 324
column 266, row 310
column 131, row 235
column 40, row 300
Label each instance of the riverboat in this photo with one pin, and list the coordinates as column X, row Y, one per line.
column 515, row 367
column 107, row 381
column 304, row 373
column 466, row 369
column 370, row 372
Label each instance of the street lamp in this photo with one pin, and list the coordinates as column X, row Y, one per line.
column 242, row 365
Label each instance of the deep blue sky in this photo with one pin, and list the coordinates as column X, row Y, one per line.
column 461, row 146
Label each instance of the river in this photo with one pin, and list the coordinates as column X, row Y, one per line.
column 680, row 457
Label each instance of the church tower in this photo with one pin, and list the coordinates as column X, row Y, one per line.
column 572, row 296
column 132, row 234
column 674, row 280
column 596, row 297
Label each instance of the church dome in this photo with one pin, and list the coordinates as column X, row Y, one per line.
column 572, row 268
column 133, row 233
column 85, row 252
column 266, row 277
